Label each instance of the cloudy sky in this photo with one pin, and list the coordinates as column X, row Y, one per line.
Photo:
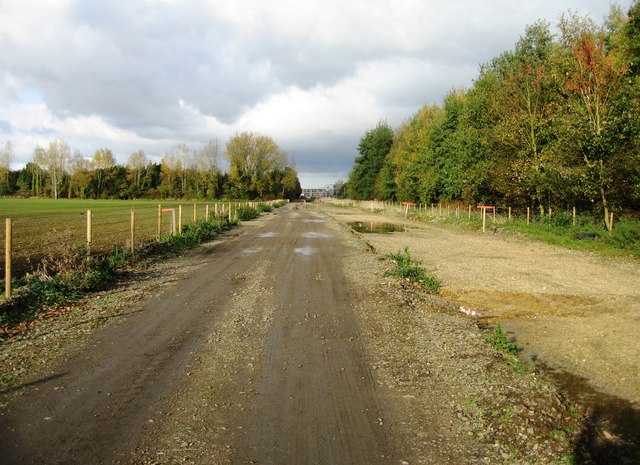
column 312, row 74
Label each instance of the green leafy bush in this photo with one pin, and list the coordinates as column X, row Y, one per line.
column 264, row 208
column 626, row 234
column 247, row 213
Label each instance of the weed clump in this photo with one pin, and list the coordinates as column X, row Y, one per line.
column 411, row 269
column 247, row 213
column 509, row 349
column 264, row 208
column 501, row 342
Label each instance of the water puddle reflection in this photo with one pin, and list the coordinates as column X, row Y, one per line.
column 316, row 235
column 250, row 251
column 375, row 228
column 306, row 251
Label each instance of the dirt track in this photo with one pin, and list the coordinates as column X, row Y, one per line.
column 317, row 402
column 283, row 343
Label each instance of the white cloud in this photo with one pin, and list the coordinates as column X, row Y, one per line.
column 314, row 75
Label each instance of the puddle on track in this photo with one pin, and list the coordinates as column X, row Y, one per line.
column 313, row 220
column 250, row 251
column 306, row 251
column 375, row 228
column 611, row 433
column 316, row 235
column 267, row 234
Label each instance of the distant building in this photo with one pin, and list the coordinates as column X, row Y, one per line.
column 317, row 193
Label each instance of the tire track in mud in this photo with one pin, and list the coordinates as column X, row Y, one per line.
column 316, row 401
column 283, row 377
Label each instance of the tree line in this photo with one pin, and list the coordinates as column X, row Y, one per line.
column 553, row 122
column 258, row 169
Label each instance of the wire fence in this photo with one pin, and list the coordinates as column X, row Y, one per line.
column 492, row 215
column 33, row 240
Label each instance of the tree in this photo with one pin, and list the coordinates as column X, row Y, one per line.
column 55, row 161
column 81, row 171
column 525, row 102
column 207, row 171
column 136, row 163
column 6, row 154
column 594, row 81
column 252, row 158
column 102, row 160
column 412, row 156
column 373, row 148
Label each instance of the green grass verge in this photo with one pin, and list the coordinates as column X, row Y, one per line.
column 624, row 239
column 62, row 280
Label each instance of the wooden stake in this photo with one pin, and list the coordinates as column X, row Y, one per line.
column 484, row 219
column 133, row 232
column 509, row 213
column 195, row 213
column 528, row 214
column 206, row 212
column 179, row 220
column 574, row 216
column 89, row 230
column 611, row 222
column 469, row 211
column 7, row 258
column 159, row 221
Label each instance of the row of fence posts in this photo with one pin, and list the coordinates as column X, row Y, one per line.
column 438, row 211
column 175, row 229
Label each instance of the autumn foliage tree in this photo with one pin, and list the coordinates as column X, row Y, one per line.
column 553, row 123
column 254, row 160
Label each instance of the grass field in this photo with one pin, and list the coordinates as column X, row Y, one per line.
column 47, row 228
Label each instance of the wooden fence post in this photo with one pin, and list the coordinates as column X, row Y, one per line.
column 89, row 230
column 528, row 214
column 574, row 216
column 206, row 212
column 611, row 222
column 549, row 216
column 195, row 213
column 159, row 220
column 133, row 232
column 509, row 213
column 484, row 219
column 7, row 258
column 469, row 211
column 179, row 220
